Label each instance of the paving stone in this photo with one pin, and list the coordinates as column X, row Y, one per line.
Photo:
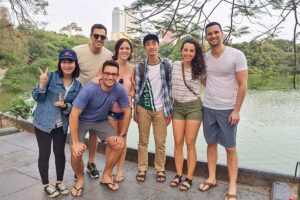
column 18, row 167
column 19, row 158
column 12, row 181
column 7, row 148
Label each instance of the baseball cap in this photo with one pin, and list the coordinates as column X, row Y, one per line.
column 150, row 36
column 67, row 54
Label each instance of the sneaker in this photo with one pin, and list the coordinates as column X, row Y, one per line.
column 51, row 191
column 92, row 170
column 62, row 188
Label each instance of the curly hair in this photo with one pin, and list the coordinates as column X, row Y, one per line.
column 198, row 62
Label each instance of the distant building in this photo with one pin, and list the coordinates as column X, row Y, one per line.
column 71, row 30
column 121, row 23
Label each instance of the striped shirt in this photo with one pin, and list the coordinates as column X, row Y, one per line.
column 180, row 92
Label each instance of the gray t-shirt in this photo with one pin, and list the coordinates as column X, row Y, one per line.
column 221, row 84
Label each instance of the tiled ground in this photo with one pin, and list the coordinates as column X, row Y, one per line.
column 20, row 179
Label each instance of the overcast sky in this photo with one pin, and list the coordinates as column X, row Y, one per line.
column 83, row 12
column 86, row 13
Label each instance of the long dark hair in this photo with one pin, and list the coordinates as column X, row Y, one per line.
column 198, row 63
column 75, row 73
column 117, row 47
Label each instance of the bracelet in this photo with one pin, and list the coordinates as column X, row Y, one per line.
column 123, row 135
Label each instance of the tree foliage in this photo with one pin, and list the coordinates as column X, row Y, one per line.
column 189, row 17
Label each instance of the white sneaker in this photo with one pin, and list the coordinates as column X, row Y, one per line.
column 62, row 188
column 51, row 191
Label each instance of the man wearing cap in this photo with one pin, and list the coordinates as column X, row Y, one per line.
column 226, row 86
column 152, row 105
column 91, row 56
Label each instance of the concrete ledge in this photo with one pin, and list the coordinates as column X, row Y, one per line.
column 24, row 124
column 7, row 131
column 247, row 176
column 280, row 191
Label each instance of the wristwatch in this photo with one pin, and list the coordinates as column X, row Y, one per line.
column 124, row 135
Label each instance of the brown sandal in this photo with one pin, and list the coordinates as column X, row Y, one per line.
column 141, row 177
column 210, row 186
column 230, row 196
column 176, row 181
column 161, row 177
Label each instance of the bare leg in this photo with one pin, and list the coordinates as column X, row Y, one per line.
column 93, row 145
column 77, row 165
column 178, row 132
column 232, row 163
column 191, row 132
column 112, row 156
column 212, row 157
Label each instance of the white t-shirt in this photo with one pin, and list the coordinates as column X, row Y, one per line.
column 154, row 78
column 221, row 84
column 180, row 92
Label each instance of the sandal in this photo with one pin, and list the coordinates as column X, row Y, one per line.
column 160, row 178
column 78, row 193
column 230, row 196
column 110, row 185
column 141, row 177
column 175, row 182
column 184, row 186
column 209, row 186
column 119, row 179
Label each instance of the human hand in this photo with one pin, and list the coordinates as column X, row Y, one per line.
column 168, row 120
column 118, row 143
column 234, row 118
column 96, row 80
column 43, row 78
column 60, row 104
column 78, row 149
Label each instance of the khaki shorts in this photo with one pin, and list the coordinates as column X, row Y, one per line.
column 188, row 111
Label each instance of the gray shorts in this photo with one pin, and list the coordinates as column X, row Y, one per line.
column 103, row 130
column 217, row 129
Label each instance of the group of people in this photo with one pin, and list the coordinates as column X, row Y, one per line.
column 95, row 91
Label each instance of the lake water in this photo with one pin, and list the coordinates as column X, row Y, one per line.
column 268, row 135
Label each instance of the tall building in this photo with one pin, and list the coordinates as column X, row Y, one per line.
column 121, row 23
column 71, row 30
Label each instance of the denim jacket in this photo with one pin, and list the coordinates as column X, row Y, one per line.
column 46, row 112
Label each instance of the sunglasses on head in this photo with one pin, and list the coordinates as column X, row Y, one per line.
column 97, row 36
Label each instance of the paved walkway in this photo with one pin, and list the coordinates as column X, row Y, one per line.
column 20, row 179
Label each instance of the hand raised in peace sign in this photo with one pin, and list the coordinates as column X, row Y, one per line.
column 43, row 78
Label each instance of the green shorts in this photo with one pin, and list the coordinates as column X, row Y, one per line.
column 188, row 111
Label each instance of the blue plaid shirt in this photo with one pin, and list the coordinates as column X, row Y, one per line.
column 166, row 83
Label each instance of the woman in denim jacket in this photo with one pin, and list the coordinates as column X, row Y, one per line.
column 54, row 96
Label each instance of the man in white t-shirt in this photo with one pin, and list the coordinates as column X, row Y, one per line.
column 226, row 86
column 152, row 106
column 91, row 56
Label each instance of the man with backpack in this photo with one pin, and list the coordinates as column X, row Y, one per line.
column 152, row 105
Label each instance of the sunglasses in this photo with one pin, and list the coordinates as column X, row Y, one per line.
column 97, row 36
column 108, row 74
